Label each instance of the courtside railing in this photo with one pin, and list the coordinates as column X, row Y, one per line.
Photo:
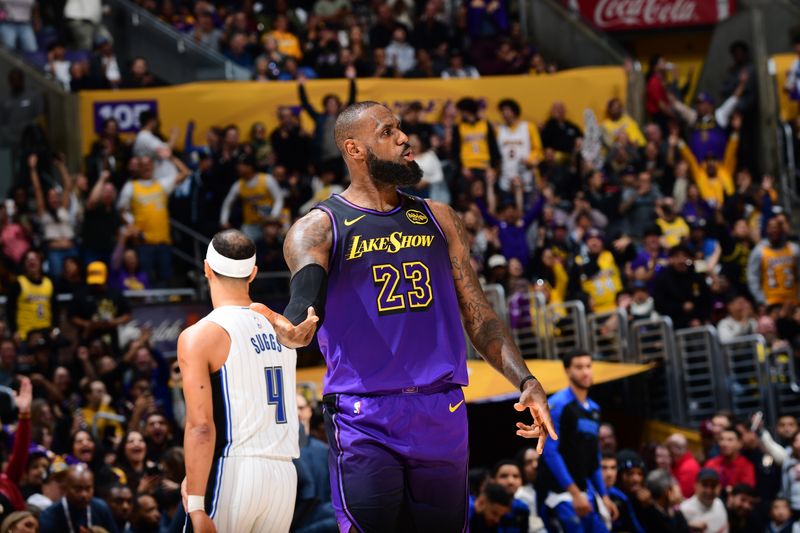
column 746, row 376
column 652, row 341
column 565, row 328
column 608, row 335
column 783, row 383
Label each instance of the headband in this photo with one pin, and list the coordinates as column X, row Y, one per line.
column 233, row 268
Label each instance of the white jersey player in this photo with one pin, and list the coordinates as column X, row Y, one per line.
column 241, row 424
column 520, row 147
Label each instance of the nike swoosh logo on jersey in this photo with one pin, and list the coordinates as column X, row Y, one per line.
column 351, row 222
column 454, row 407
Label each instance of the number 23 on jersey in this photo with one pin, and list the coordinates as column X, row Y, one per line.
column 387, row 278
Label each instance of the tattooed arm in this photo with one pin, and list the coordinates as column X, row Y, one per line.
column 488, row 333
column 308, row 244
column 309, row 241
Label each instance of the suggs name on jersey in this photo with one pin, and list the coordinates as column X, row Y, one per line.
column 263, row 342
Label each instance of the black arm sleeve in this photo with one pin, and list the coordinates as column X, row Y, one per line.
column 308, row 288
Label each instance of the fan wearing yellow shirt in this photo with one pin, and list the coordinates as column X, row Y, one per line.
column 288, row 43
column 617, row 122
column 474, row 143
column 715, row 181
column 260, row 195
column 596, row 277
column 97, row 404
column 773, row 269
column 145, row 200
column 674, row 228
column 31, row 300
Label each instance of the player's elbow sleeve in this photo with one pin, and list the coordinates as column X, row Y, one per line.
column 308, row 288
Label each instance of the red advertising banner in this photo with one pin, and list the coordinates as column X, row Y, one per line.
column 619, row 15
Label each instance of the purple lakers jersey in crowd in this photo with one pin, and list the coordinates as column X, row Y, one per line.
column 392, row 319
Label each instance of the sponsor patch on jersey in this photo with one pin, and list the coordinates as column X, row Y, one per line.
column 416, row 217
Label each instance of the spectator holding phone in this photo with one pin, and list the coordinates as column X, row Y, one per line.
column 141, row 475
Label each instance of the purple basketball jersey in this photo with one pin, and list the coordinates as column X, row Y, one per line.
column 392, row 319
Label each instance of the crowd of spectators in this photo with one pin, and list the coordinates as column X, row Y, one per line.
column 739, row 477
column 667, row 217
column 397, row 38
column 283, row 40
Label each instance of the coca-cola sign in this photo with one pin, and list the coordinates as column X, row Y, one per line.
column 615, row 15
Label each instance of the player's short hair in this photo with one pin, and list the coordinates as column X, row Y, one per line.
column 511, row 104
column 233, row 244
column 504, row 462
column 347, row 121
column 569, row 356
column 496, row 493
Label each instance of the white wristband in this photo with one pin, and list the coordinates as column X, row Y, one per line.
column 195, row 503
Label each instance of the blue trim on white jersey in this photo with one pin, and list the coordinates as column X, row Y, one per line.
column 229, row 426
column 218, row 484
column 228, row 437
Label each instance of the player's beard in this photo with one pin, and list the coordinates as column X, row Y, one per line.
column 391, row 173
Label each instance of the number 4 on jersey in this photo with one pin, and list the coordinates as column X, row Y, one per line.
column 274, row 375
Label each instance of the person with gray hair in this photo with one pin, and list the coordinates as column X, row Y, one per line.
column 660, row 516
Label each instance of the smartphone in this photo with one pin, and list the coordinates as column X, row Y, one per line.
column 756, row 421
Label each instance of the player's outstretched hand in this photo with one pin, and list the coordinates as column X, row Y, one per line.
column 201, row 523
column 529, row 432
column 535, row 399
column 290, row 335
